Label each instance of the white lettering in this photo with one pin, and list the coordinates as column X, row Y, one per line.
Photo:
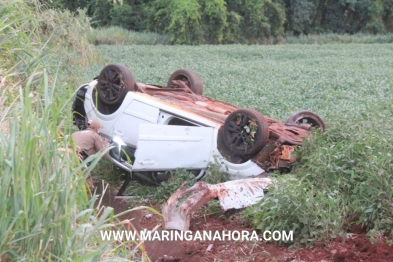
column 276, row 235
column 226, row 233
column 156, row 236
column 235, row 235
column 288, row 237
column 207, row 235
column 131, row 235
column 188, row 235
column 217, row 236
column 254, row 236
column 264, row 235
column 106, row 235
column 178, row 235
column 145, row 235
column 197, row 236
column 245, row 235
column 118, row 235
column 165, row 236
column 175, row 235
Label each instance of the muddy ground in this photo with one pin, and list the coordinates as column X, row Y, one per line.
column 356, row 247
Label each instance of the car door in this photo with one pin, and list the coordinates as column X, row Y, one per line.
column 167, row 147
column 135, row 114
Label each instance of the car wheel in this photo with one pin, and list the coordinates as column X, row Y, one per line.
column 245, row 131
column 114, row 82
column 191, row 78
column 308, row 118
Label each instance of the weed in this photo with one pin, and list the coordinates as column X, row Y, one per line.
column 215, row 174
column 46, row 214
column 158, row 193
column 375, row 236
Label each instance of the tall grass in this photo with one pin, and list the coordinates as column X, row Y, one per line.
column 45, row 213
column 31, row 36
column 359, row 38
column 119, row 36
column 42, row 184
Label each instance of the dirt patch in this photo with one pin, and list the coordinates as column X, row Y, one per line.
column 357, row 247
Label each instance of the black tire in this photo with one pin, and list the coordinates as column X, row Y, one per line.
column 191, row 78
column 114, row 82
column 238, row 135
column 78, row 108
column 306, row 117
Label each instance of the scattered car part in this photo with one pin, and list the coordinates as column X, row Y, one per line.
column 234, row 194
column 78, row 109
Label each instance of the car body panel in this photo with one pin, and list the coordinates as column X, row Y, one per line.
column 163, row 147
column 136, row 114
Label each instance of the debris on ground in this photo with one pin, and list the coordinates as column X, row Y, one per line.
column 233, row 194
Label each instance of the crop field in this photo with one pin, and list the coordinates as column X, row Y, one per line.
column 339, row 82
column 342, row 181
column 341, row 178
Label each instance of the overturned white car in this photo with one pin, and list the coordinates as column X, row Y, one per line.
column 163, row 128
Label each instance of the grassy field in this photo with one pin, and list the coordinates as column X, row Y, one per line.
column 343, row 177
column 336, row 81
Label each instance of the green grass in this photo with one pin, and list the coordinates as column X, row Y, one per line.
column 115, row 35
column 321, row 39
column 46, row 213
column 335, row 81
column 346, row 174
column 119, row 36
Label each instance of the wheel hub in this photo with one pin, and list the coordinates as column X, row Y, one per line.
column 111, row 85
